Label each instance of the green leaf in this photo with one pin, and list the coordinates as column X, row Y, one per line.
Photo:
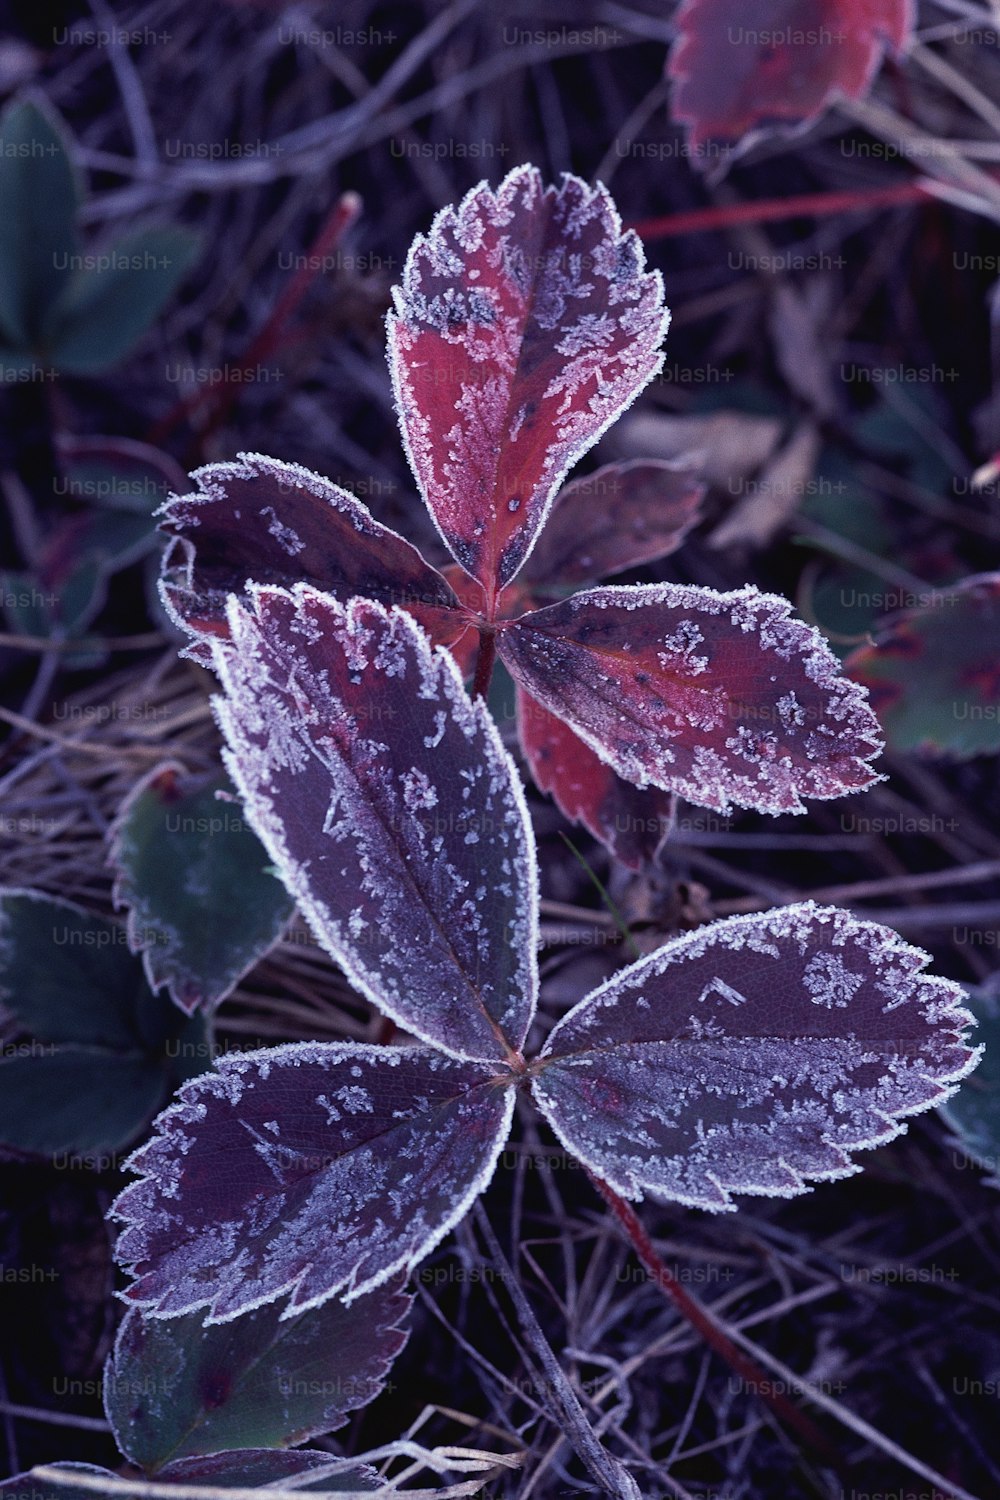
column 108, row 305
column 66, row 975
column 39, row 195
column 174, row 1388
column 80, row 1100
column 933, row 672
column 974, row 1112
column 204, row 907
column 118, row 474
column 104, row 1052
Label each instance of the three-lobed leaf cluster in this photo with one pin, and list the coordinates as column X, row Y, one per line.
column 525, row 323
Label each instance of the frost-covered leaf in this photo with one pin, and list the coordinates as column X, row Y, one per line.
column 752, row 1055
column 181, row 856
column 723, row 698
column 629, row 822
column 777, row 63
column 278, row 523
column 524, row 325
column 390, row 809
column 307, row 1169
column 101, row 1053
column 619, row 517
column 933, row 672
column 174, row 1388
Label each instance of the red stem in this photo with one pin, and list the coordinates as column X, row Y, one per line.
column 220, row 399
column 762, row 210
column 715, row 1336
column 485, row 662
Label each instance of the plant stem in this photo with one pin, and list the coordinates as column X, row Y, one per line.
column 612, row 1476
column 765, row 210
column 756, row 1379
column 485, row 662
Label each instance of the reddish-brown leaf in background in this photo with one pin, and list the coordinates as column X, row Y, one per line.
column 524, row 326
column 779, row 63
column 629, row 822
column 619, row 517
column 721, row 697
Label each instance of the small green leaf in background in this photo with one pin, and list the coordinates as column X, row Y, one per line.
column 39, row 196
column 173, row 1388
column 79, row 312
column 103, row 311
column 103, row 1053
column 974, row 1112
column 933, row 672
column 118, row 473
column 117, row 485
column 204, row 907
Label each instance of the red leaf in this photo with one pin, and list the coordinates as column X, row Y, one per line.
column 390, row 809
column 778, row 63
column 620, row 517
column 308, row 1169
column 629, row 822
column 524, row 326
column 752, row 1055
column 720, row 697
column 278, row 523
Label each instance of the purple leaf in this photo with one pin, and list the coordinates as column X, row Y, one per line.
column 752, row 1055
column 391, row 811
column 524, row 326
column 721, row 697
column 619, row 517
column 307, row 1169
column 278, row 523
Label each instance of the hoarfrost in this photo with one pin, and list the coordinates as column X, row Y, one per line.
column 226, row 1220
column 671, row 686
column 541, row 315
column 362, row 821
column 798, row 1062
